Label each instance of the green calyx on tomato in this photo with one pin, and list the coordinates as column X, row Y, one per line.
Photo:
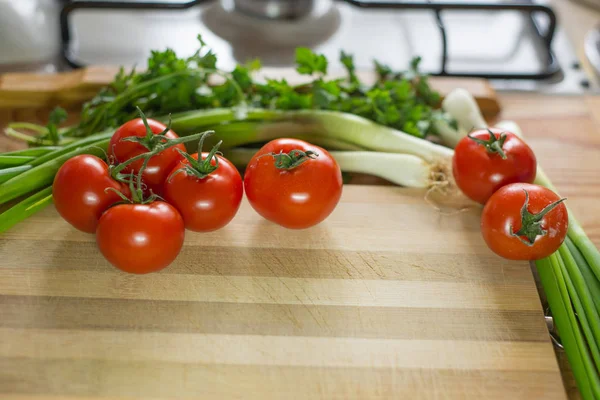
column 151, row 141
column 292, row 159
column 493, row 144
column 531, row 224
column 202, row 167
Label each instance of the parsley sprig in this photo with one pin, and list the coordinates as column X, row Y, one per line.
column 169, row 84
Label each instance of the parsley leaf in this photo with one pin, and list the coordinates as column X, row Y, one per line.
column 348, row 62
column 325, row 93
column 170, row 84
column 309, row 62
column 382, row 70
column 57, row 117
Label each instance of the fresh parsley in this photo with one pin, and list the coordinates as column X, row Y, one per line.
column 169, row 84
column 310, row 63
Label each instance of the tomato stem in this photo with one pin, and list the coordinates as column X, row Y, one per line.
column 115, row 170
column 119, row 193
column 154, row 143
column 292, row 159
column 531, row 224
column 138, row 194
column 493, row 144
column 151, row 141
column 201, row 167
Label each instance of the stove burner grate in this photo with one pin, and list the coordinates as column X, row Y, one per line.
column 545, row 36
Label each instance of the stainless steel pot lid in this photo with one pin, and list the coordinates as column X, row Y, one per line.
column 278, row 9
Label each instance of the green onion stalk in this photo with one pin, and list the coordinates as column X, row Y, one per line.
column 25, row 208
column 571, row 279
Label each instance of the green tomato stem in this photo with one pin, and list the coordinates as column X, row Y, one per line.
column 531, row 224
column 292, row 159
column 493, row 144
column 202, row 167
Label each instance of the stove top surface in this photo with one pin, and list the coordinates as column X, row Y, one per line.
column 482, row 41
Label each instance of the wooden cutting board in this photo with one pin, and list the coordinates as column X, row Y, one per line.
column 386, row 299
column 360, row 307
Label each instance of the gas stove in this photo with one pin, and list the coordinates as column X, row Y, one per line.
column 518, row 45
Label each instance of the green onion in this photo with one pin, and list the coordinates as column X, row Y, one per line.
column 195, row 121
column 564, row 317
column 461, row 105
column 25, row 208
column 335, row 125
column 14, row 161
column 90, row 140
column 328, row 143
column 43, row 174
column 369, row 135
column 586, row 310
column 8, row 173
column 588, row 275
column 32, row 152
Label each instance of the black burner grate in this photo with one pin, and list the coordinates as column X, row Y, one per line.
column 551, row 68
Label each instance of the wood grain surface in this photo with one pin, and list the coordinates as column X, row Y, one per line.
column 387, row 299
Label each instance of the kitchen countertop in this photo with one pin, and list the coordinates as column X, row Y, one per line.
column 577, row 20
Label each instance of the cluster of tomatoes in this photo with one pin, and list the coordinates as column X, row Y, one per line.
column 520, row 220
column 140, row 206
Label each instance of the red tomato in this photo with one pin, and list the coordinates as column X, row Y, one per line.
column 524, row 222
column 159, row 166
column 207, row 203
column 296, row 198
column 140, row 238
column 480, row 169
column 79, row 191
